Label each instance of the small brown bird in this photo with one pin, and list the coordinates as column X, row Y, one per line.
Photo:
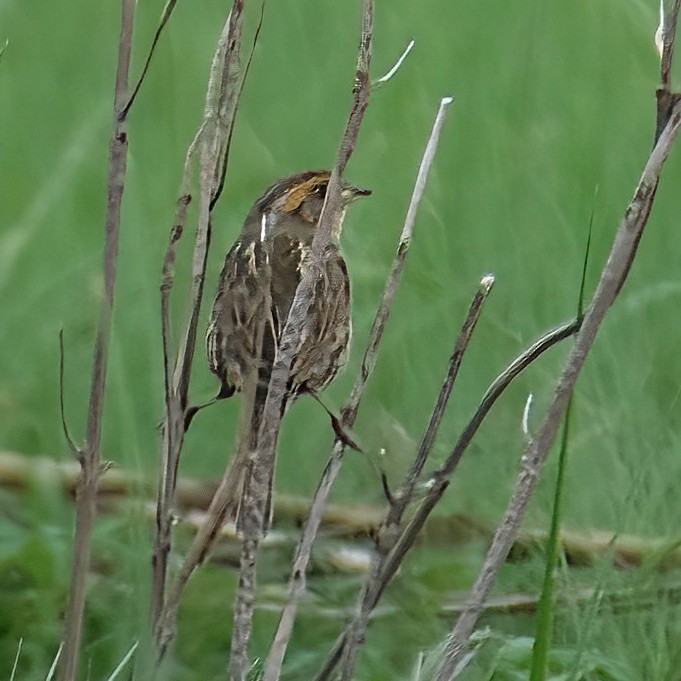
column 255, row 291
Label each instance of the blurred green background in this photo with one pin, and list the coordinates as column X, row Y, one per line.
column 553, row 119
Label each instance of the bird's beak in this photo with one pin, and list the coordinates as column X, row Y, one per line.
column 350, row 193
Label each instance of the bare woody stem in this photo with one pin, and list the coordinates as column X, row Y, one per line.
column 89, row 455
column 252, row 517
column 390, row 526
column 173, row 428
column 406, row 494
column 394, row 549
column 212, row 144
column 612, row 278
column 396, row 543
column 297, row 581
column 163, row 22
column 19, row 472
column 666, row 99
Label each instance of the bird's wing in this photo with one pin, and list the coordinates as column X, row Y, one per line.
column 326, row 335
column 240, row 312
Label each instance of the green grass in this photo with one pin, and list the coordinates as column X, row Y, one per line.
column 551, row 101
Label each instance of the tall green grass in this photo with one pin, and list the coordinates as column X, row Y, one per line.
column 552, row 100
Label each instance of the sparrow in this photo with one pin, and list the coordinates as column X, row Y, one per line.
column 255, row 291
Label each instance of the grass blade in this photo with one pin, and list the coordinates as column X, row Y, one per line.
column 123, row 662
column 16, row 660
column 55, row 662
column 545, row 609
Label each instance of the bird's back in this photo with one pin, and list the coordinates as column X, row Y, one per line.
column 256, row 290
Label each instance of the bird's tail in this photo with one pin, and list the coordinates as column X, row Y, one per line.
column 250, row 485
column 258, row 476
column 246, row 441
column 252, row 479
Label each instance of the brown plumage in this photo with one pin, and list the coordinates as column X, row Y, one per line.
column 255, row 291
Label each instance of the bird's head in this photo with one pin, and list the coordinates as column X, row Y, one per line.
column 301, row 197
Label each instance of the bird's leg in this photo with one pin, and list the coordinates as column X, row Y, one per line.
column 226, row 391
column 343, row 435
column 337, row 425
column 192, row 411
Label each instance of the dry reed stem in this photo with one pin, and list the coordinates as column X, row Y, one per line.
column 89, row 454
column 438, row 483
column 297, row 580
column 212, row 144
column 612, row 278
column 253, row 511
column 390, row 527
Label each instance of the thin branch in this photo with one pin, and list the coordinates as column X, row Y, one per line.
column 395, row 514
column 212, row 142
column 19, row 473
column 666, row 98
column 90, row 461
column 254, row 503
column 391, row 525
column 668, row 30
column 438, row 483
column 225, row 160
column 165, row 18
column 612, row 278
column 440, row 479
column 220, row 109
column 204, row 540
column 62, row 411
column 500, row 383
column 172, row 434
column 384, row 79
column 395, row 275
column 174, row 424
column 297, row 581
column 254, row 509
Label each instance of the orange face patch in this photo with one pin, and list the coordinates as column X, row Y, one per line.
column 297, row 194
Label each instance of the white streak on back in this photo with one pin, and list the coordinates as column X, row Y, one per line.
column 263, row 227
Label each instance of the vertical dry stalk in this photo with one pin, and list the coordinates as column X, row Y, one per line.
column 666, row 99
column 89, row 455
column 391, row 525
column 253, row 506
column 612, row 278
column 400, row 540
column 173, row 428
column 297, row 581
column 214, row 139
column 212, row 142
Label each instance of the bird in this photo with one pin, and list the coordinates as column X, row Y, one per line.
column 255, row 291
